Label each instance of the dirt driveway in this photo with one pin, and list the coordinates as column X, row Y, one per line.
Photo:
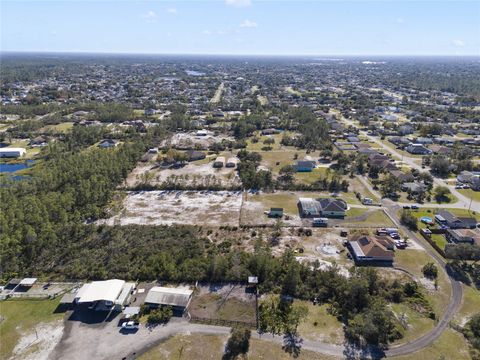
column 104, row 340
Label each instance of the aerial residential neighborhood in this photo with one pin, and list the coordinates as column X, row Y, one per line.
column 237, row 201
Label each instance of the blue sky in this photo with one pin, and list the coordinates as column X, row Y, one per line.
column 243, row 27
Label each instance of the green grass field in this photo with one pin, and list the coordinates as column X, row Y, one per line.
column 413, row 261
column 450, row 345
column 60, row 128
column 475, row 195
column 23, row 315
column 320, row 325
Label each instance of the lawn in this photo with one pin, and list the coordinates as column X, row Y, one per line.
column 374, row 217
column 319, row 325
column 23, row 315
column 418, row 324
column 413, row 261
column 196, row 346
column 470, row 305
column 286, row 200
column 475, row 195
column 60, row 128
column 311, row 177
column 201, row 346
column 213, row 306
column 450, row 345
column 257, row 146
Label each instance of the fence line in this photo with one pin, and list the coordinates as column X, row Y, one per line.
column 222, row 322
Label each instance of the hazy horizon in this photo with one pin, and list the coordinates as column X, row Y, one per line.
column 243, row 27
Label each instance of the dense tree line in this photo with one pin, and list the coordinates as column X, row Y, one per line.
column 67, row 188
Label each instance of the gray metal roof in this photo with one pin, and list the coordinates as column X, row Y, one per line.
column 168, row 296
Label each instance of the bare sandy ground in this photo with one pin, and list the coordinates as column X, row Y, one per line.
column 179, row 207
column 191, row 174
column 191, row 141
column 39, row 343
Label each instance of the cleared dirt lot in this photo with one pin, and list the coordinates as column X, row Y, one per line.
column 208, row 208
column 185, row 141
column 192, row 174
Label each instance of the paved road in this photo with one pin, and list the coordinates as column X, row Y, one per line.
column 455, row 297
column 463, row 201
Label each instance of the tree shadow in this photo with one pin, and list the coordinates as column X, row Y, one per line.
column 355, row 351
column 292, row 344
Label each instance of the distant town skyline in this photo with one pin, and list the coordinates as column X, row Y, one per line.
column 243, row 27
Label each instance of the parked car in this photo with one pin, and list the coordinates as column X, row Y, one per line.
column 394, row 236
column 406, row 206
column 130, row 325
column 415, row 207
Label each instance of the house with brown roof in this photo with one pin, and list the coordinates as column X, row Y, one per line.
column 366, row 249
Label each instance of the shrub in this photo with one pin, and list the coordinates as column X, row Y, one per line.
column 160, row 316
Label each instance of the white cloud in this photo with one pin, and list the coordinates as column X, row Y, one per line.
column 248, row 24
column 400, row 20
column 172, row 11
column 458, row 43
column 206, row 32
column 150, row 16
column 238, row 3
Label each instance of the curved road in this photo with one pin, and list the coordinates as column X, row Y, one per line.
column 426, row 340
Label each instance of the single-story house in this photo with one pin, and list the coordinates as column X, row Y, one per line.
column 463, row 236
column 11, row 152
column 304, row 166
column 372, row 249
column 108, row 143
column 402, row 176
column 417, row 149
column 39, row 141
column 177, row 298
column 446, row 218
column 332, row 207
column 414, row 187
column 308, row 207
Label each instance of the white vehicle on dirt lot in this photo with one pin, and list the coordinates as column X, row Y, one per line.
column 130, row 325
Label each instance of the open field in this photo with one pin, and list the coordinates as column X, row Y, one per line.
column 200, row 346
column 413, row 261
column 367, row 217
column 416, row 323
column 186, row 141
column 218, row 94
column 225, row 302
column 59, row 128
column 21, row 322
column 194, row 173
column 319, row 325
column 475, row 195
column 450, row 345
column 179, row 207
column 470, row 304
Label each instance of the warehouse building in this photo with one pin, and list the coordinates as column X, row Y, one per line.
column 177, row 298
column 105, row 295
